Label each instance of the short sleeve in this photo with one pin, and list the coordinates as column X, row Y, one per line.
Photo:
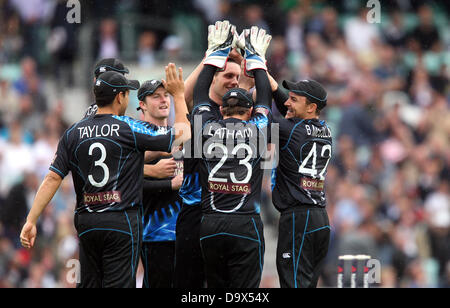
column 60, row 163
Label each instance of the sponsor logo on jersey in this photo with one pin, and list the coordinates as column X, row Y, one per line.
column 311, row 184
column 230, row 188
column 102, row 197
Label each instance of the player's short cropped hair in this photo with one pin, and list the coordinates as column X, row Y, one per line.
column 106, row 100
column 229, row 60
column 232, row 109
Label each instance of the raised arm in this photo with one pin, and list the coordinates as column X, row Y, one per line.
column 279, row 96
column 175, row 86
column 255, row 43
column 201, row 90
column 189, row 85
column 221, row 38
column 264, row 97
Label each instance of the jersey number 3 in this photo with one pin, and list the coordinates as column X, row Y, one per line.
column 99, row 163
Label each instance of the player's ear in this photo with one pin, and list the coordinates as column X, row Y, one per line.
column 314, row 108
column 221, row 110
column 142, row 106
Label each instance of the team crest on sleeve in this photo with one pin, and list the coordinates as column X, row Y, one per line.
column 204, row 108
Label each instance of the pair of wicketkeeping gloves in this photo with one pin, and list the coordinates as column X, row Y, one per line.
column 251, row 43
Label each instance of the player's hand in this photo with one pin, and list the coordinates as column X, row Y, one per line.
column 255, row 42
column 177, row 182
column 165, row 168
column 221, row 39
column 28, row 235
column 174, row 83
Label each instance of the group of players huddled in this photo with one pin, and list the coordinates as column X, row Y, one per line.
column 185, row 200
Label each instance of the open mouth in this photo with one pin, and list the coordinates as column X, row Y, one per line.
column 163, row 107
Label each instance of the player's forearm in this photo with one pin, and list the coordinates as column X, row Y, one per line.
column 152, row 155
column 264, row 96
column 182, row 126
column 279, row 96
column 151, row 171
column 201, row 90
column 44, row 195
column 189, row 85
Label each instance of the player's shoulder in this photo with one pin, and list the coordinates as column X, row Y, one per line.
column 206, row 107
column 289, row 124
column 201, row 108
column 143, row 127
column 71, row 129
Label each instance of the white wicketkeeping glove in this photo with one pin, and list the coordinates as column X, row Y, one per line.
column 221, row 39
column 254, row 42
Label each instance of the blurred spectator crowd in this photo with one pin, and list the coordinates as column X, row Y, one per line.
column 388, row 107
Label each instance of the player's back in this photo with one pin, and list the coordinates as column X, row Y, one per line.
column 105, row 154
column 305, row 151
column 231, row 169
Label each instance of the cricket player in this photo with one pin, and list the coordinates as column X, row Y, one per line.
column 189, row 267
column 103, row 66
column 232, row 239
column 105, row 154
column 161, row 199
column 298, row 183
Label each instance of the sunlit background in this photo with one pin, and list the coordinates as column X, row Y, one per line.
column 388, row 107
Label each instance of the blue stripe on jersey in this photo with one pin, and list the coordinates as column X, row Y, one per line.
column 290, row 136
column 191, row 191
column 259, row 241
column 142, row 127
column 274, row 178
column 132, row 245
column 260, row 121
column 73, row 127
column 301, row 247
column 103, row 229
column 161, row 228
column 57, row 171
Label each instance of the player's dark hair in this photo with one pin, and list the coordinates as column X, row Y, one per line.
column 230, row 60
column 232, row 109
column 104, row 101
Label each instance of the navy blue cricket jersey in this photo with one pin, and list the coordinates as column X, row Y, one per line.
column 231, row 170
column 232, row 149
column 305, row 151
column 161, row 207
column 191, row 190
column 105, row 154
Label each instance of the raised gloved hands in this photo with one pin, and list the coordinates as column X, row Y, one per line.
column 221, row 40
column 253, row 44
